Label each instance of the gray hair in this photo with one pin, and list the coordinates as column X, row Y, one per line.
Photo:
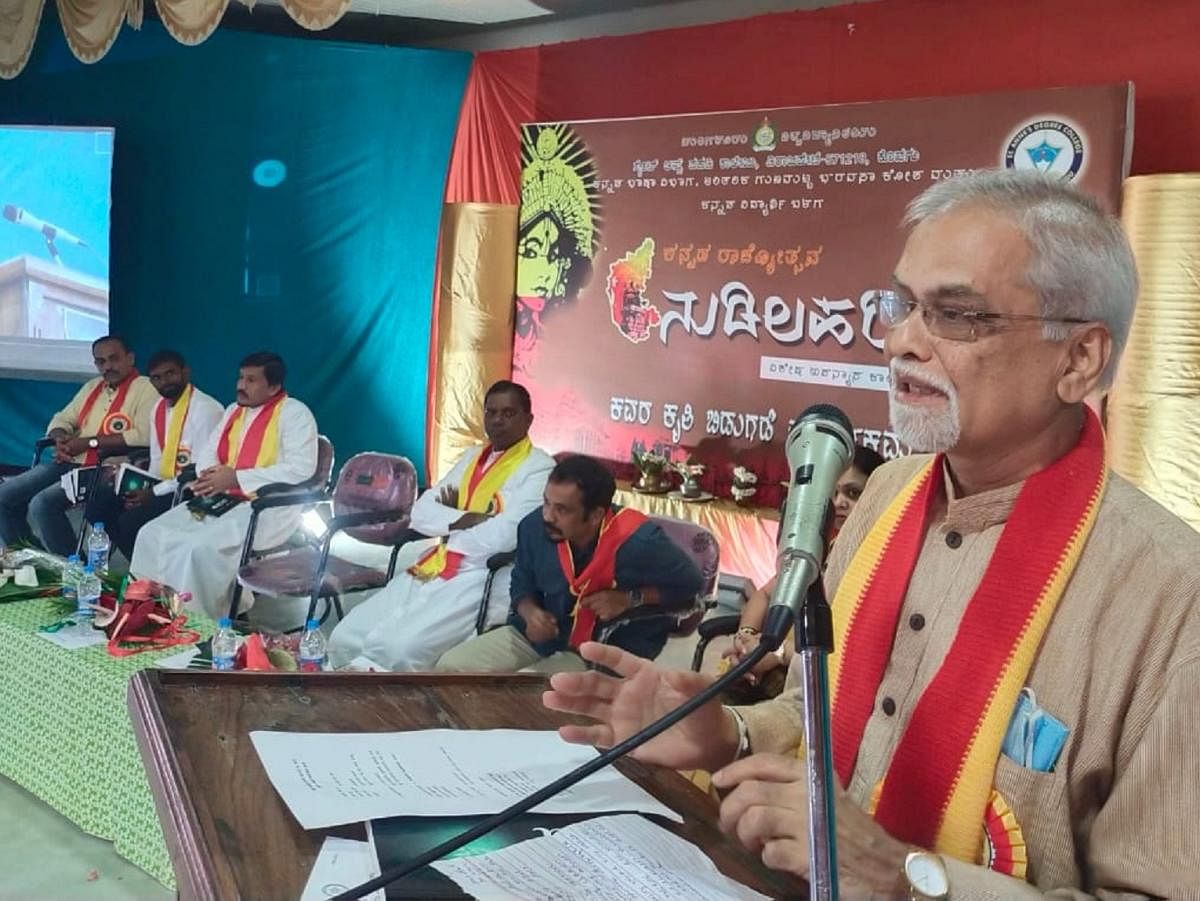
column 1081, row 265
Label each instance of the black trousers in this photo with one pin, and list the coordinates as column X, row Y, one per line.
column 123, row 525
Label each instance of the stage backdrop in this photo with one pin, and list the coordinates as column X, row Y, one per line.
column 692, row 283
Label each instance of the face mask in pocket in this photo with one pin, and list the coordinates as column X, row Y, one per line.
column 1035, row 738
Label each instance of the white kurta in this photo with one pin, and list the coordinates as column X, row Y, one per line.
column 203, row 415
column 409, row 624
column 201, row 556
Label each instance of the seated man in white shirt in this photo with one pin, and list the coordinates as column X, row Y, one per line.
column 474, row 510
column 180, row 423
column 264, row 438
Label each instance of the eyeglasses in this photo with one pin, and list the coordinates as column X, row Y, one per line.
column 948, row 322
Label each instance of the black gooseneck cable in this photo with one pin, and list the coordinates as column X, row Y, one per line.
column 778, row 621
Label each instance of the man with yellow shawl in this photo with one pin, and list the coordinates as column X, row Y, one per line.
column 473, row 512
column 1017, row 628
column 265, row 438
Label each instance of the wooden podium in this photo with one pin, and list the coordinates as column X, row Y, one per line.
column 231, row 836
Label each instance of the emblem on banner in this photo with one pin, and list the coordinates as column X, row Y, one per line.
column 765, row 136
column 1049, row 146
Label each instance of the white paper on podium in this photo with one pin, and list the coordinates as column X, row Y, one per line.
column 341, row 864
column 330, row 778
column 618, row 858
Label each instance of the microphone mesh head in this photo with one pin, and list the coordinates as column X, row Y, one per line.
column 827, row 412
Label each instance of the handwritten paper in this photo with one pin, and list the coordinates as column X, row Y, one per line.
column 330, row 778
column 618, row 858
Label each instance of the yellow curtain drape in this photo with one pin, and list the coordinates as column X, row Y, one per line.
column 91, row 26
column 19, row 20
column 316, row 15
column 190, row 21
column 1154, row 408
column 477, row 268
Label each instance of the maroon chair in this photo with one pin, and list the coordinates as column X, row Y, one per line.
column 696, row 541
column 701, row 545
column 371, row 503
column 308, row 493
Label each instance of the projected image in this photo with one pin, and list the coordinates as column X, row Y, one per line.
column 55, row 200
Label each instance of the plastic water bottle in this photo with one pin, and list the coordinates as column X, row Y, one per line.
column 98, row 545
column 72, row 572
column 224, row 645
column 312, row 648
column 87, row 594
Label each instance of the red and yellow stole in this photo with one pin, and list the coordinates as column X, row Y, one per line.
column 255, row 446
column 114, row 421
column 169, row 436
column 939, row 783
column 478, row 492
column 600, row 573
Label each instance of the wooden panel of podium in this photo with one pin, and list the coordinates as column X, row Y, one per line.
column 231, row 836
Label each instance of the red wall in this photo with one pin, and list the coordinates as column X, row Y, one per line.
column 883, row 50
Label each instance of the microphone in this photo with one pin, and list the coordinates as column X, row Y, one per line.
column 819, row 448
column 50, row 232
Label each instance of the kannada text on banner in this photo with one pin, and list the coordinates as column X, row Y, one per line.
column 692, row 283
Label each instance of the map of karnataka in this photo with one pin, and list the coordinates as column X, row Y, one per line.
column 632, row 314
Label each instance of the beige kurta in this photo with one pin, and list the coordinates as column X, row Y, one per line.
column 1119, row 665
column 139, row 401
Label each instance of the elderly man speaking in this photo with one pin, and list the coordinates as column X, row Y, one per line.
column 1017, row 633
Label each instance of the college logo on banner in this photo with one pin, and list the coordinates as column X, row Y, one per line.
column 1050, row 146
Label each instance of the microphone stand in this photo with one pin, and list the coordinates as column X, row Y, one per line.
column 769, row 642
column 814, row 643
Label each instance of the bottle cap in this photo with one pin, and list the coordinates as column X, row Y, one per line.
column 312, row 625
column 74, row 558
column 224, row 622
column 97, row 526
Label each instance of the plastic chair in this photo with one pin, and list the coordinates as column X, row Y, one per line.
column 371, row 502
column 312, row 491
column 696, row 541
column 721, row 625
column 701, row 545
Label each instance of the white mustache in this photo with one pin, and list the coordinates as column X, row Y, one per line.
column 901, row 369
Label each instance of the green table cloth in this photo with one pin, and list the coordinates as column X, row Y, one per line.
column 67, row 737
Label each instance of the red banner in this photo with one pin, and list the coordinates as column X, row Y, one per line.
column 691, row 283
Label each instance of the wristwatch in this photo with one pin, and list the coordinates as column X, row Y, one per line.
column 93, row 443
column 636, row 598
column 927, row 876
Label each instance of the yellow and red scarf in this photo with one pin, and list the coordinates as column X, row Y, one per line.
column 938, row 788
column 600, row 573
column 255, row 446
column 115, row 422
column 169, row 436
column 478, row 492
